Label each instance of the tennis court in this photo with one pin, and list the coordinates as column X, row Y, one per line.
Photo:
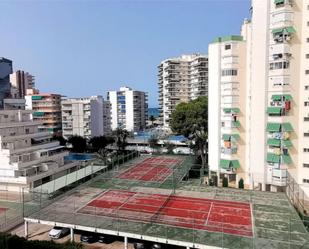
column 155, row 169
column 187, row 212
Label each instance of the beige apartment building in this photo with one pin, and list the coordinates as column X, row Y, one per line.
column 181, row 79
column 46, row 109
column 271, row 59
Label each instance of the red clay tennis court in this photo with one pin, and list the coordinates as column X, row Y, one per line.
column 155, row 169
column 186, row 212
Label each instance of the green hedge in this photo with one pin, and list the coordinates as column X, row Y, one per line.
column 8, row 241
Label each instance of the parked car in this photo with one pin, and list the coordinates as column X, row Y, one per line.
column 88, row 237
column 156, row 246
column 58, row 232
column 140, row 245
column 106, row 239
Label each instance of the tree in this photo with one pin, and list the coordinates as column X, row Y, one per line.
column 100, row 142
column 225, row 182
column 79, row 144
column 169, row 147
column 61, row 139
column 152, row 119
column 241, row 183
column 191, row 120
column 120, row 136
column 153, row 142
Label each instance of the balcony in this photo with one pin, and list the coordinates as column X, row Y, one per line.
column 279, row 177
column 229, row 151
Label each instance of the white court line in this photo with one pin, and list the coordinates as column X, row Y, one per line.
column 209, row 212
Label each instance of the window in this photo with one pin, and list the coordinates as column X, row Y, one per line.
column 307, row 39
column 306, row 103
column 306, row 134
column 228, row 46
column 229, row 72
column 305, row 180
column 307, row 72
column 307, row 23
column 306, row 165
column 307, row 87
column 306, row 118
column 279, row 65
column 306, row 149
column 307, row 56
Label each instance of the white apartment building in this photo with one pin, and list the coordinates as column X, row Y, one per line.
column 129, row 109
column 181, row 79
column 28, row 157
column 273, row 97
column 82, row 117
column 21, row 82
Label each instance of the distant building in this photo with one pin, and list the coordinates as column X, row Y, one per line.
column 28, row 157
column 47, row 109
column 129, row 109
column 181, row 79
column 20, row 82
column 82, row 117
column 6, row 68
column 107, row 117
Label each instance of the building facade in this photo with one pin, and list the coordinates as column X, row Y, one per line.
column 275, row 97
column 107, row 117
column 129, row 109
column 47, row 109
column 6, row 68
column 20, row 82
column 28, row 156
column 181, row 79
column 82, row 117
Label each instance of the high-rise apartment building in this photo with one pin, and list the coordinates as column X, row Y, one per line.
column 181, row 79
column 20, row 82
column 83, row 117
column 47, row 109
column 107, row 117
column 6, row 68
column 272, row 84
column 28, row 157
column 129, row 109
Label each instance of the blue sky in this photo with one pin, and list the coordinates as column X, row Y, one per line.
column 83, row 48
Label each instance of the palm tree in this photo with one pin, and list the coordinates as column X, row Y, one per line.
column 152, row 119
column 120, row 136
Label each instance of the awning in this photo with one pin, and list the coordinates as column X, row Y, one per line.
column 275, row 31
column 273, row 158
column 287, row 97
column 36, row 97
column 273, row 142
column 279, row 1
column 274, row 110
column 236, row 110
column 227, row 164
column 224, row 164
column 227, row 110
column 233, row 110
column 287, row 127
column 38, row 114
column 227, row 137
column 236, row 124
column 290, row 30
column 273, row 127
column 276, row 97
column 287, row 159
column 235, row 164
column 287, row 143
